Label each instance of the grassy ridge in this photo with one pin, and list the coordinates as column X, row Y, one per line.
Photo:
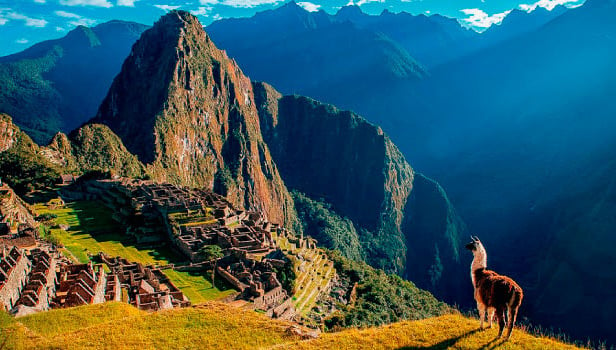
column 443, row 332
column 220, row 326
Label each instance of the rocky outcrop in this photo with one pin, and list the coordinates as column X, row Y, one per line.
column 96, row 147
column 8, row 132
column 187, row 111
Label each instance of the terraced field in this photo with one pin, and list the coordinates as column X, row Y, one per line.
column 313, row 272
column 90, row 229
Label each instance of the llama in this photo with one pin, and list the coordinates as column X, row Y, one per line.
column 494, row 293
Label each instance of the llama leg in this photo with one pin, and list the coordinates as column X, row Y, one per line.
column 482, row 314
column 500, row 314
column 513, row 313
column 491, row 315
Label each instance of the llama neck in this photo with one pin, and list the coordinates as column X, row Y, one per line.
column 480, row 261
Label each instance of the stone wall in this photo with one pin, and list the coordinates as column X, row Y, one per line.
column 14, row 266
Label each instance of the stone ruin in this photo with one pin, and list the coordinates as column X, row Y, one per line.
column 41, row 284
column 148, row 288
column 192, row 219
column 14, row 269
column 257, row 282
column 80, row 284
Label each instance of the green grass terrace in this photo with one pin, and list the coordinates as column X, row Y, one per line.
column 90, row 229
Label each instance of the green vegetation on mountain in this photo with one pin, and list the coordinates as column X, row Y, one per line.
column 327, row 227
column 96, row 147
column 22, row 165
column 26, row 93
column 378, row 298
column 52, row 85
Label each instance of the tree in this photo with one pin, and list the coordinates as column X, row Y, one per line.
column 211, row 253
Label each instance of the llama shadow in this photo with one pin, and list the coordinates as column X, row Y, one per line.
column 492, row 344
column 445, row 344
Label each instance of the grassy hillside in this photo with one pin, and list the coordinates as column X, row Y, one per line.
column 220, row 326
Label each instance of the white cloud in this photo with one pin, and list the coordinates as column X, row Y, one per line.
column 40, row 1
column 208, row 2
column 127, row 3
column 167, row 8
column 549, row 4
column 216, row 17
column 362, row 2
column 479, row 19
column 248, row 3
column 67, row 14
column 30, row 22
column 60, row 29
column 3, row 21
column 308, row 6
column 97, row 3
column 83, row 22
column 22, row 41
column 77, row 20
column 202, row 11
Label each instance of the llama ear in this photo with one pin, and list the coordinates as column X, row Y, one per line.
column 476, row 239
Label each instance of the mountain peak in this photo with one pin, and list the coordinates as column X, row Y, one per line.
column 349, row 12
column 184, row 108
column 83, row 35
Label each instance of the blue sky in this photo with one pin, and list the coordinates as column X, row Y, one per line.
column 26, row 22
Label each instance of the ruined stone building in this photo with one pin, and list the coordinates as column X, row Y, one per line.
column 80, row 284
column 14, row 270
column 148, row 288
column 41, row 286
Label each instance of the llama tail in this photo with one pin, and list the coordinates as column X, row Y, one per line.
column 514, row 305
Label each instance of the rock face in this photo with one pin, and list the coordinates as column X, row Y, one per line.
column 433, row 232
column 187, row 111
column 8, row 132
column 405, row 222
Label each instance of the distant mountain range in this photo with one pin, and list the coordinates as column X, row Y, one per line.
column 58, row 84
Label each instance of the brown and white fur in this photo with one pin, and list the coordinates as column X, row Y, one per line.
column 494, row 293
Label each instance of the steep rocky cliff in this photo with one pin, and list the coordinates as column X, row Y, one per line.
column 404, row 221
column 187, row 111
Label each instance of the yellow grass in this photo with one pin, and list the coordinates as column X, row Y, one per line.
column 220, row 326
column 444, row 332
column 212, row 326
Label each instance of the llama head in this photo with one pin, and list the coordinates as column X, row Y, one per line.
column 475, row 246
